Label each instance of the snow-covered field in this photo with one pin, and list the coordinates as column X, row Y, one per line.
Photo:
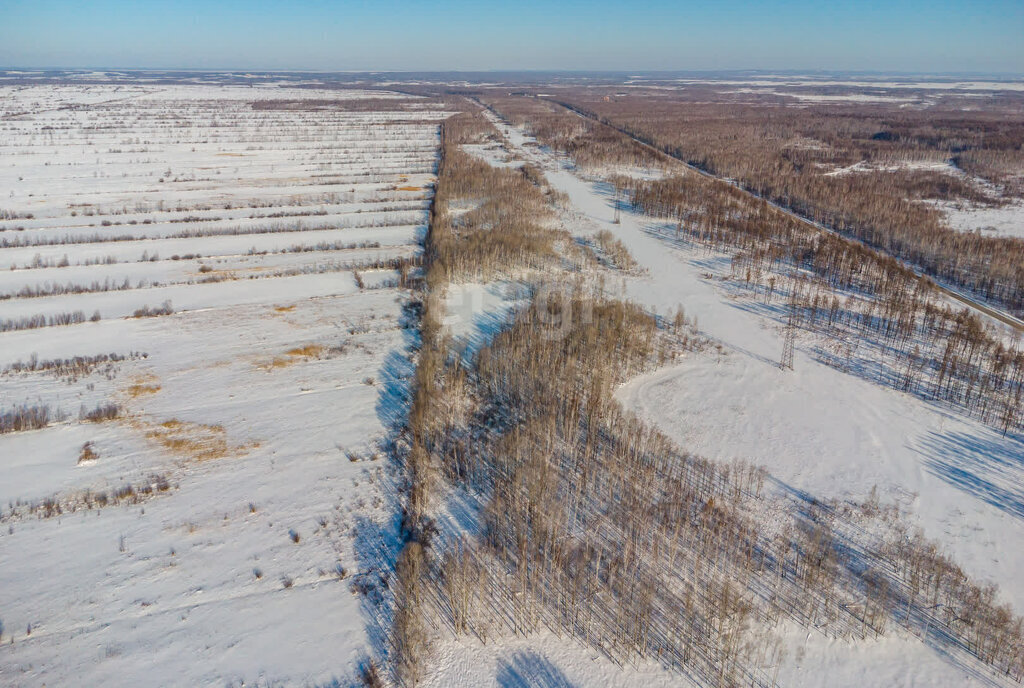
column 1007, row 220
column 215, row 532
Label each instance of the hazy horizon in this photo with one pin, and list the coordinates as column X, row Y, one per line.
column 540, row 71
column 907, row 37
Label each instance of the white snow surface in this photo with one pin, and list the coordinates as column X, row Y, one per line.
column 1006, row 220
column 262, row 404
column 545, row 660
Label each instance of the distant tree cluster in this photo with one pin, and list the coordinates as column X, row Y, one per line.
column 783, row 153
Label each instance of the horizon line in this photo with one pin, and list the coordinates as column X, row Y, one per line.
column 511, row 70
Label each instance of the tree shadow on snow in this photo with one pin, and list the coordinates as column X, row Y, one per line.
column 923, row 621
column 378, row 540
column 985, row 465
column 486, row 326
column 395, row 377
column 376, row 548
column 530, row 670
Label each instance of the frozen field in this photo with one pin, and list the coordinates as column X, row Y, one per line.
column 236, row 256
column 1007, row 220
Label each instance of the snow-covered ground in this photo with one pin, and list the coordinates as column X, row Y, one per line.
column 260, row 521
column 819, row 431
column 923, row 165
column 545, row 660
column 253, row 419
column 1007, row 220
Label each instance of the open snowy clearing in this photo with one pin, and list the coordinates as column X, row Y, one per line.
column 237, row 494
column 1007, row 220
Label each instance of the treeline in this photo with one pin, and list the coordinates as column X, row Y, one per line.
column 55, row 289
column 72, row 368
column 28, row 417
column 495, row 230
column 783, row 153
column 36, row 321
column 357, row 219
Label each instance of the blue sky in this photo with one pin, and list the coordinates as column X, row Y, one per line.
column 920, row 36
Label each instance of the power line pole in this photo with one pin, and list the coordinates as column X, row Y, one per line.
column 789, row 340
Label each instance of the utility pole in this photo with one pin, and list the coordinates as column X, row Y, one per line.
column 617, row 219
column 789, row 340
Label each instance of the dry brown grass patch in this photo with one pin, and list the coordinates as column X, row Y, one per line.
column 307, row 351
column 88, row 454
column 142, row 385
column 293, row 356
column 195, row 441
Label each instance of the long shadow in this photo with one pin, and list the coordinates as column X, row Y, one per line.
column 396, row 374
column 378, row 541
column 393, row 398
column 376, row 547
column 985, row 465
column 461, row 515
column 530, row 670
column 479, row 324
column 802, row 497
column 486, row 326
